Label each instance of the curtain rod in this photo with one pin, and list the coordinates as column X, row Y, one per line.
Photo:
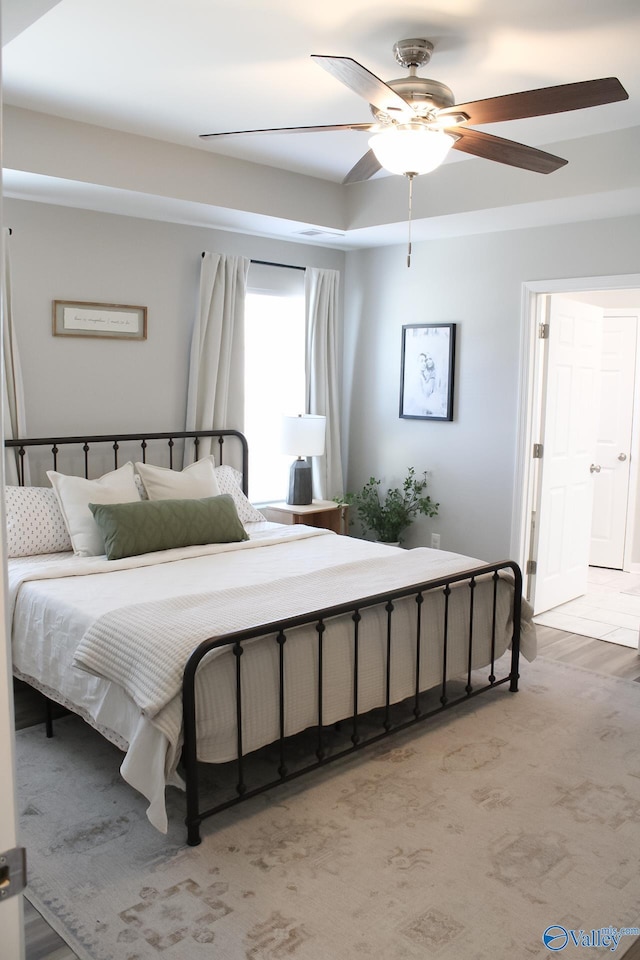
column 270, row 263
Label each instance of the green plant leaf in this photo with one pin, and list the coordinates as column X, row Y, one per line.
column 389, row 516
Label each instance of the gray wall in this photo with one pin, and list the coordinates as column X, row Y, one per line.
column 475, row 282
column 78, row 384
column 75, row 384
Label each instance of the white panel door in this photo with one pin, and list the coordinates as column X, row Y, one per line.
column 11, row 912
column 613, row 442
column 565, row 495
column 11, row 917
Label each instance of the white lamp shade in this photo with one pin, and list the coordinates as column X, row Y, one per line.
column 303, row 436
column 411, row 149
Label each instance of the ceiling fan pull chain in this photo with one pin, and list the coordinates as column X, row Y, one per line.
column 410, row 179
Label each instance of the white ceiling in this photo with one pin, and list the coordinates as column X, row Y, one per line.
column 173, row 69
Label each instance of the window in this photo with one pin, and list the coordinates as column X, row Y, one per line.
column 274, row 373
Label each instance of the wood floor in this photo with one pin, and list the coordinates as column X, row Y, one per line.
column 43, row 943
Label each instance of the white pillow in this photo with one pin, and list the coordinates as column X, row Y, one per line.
column 194, row 482
column 74, row 496
column 230, row 481
column 34, row 522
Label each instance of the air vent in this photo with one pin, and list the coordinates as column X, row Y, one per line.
column 314, row 232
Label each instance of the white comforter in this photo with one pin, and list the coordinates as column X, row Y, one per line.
column 89, row 619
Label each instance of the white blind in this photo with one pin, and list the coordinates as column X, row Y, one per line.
column 275, row 281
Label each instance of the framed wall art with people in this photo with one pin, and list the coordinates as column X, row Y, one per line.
column 427, row 371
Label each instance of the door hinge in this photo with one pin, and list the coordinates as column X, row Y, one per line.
column 543, row 331
column 538, row 450
column 13, row 872
column 531, row 567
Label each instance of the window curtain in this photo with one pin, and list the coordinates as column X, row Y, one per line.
column 13, row 392
column 322, row 376
column 215, row 396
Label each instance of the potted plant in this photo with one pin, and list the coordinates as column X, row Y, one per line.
column 389, row 516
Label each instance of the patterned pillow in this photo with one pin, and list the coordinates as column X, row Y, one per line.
column 230, row 481
column 140, row 485
column 34, row 522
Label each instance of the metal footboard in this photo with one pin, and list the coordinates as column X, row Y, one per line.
column 359, row 738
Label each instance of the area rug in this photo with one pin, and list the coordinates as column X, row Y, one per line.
column 472, row 837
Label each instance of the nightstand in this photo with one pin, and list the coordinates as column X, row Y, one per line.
column 319, row 513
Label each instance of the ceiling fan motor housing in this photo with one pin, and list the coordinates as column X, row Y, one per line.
column 424, row 96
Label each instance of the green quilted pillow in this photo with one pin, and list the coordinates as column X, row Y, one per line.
column 144, row 526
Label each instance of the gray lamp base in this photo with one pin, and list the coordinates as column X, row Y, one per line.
column 300, row 483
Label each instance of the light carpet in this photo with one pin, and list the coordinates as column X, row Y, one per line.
column 465, row 838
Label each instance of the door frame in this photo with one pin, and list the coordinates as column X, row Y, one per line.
column 534, row 296
column 11, row 909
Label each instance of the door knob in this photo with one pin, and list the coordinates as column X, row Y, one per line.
column 594, row 468
column 622, row 457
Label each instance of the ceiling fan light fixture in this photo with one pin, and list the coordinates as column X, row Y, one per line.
column 411, row 149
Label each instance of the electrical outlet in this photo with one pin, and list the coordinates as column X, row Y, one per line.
column 435, row 541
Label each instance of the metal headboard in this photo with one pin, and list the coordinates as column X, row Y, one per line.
column 88, row 445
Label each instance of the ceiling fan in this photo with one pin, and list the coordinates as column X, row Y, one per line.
column 416, row 120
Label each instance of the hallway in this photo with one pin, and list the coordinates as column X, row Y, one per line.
column 609, row 611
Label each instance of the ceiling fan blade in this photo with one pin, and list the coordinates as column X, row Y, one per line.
column 541, row 103
column 364, row 169
column 505, row 151
column 364, row 83
column 320, row 129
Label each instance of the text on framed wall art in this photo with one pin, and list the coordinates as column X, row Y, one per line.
column 71, row 318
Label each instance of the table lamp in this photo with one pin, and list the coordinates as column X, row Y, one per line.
column 302, row 436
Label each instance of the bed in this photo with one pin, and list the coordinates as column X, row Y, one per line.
column 202, row 655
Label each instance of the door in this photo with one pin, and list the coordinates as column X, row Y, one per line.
column 11, row 915
column 10, row 909
column 612, row 455
column 565, row 491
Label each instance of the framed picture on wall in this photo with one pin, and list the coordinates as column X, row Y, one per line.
column 72, row 318
column 427, row 369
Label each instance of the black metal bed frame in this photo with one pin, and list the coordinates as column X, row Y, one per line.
column 143, row 439
column 417, row 711
column 278, row 631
